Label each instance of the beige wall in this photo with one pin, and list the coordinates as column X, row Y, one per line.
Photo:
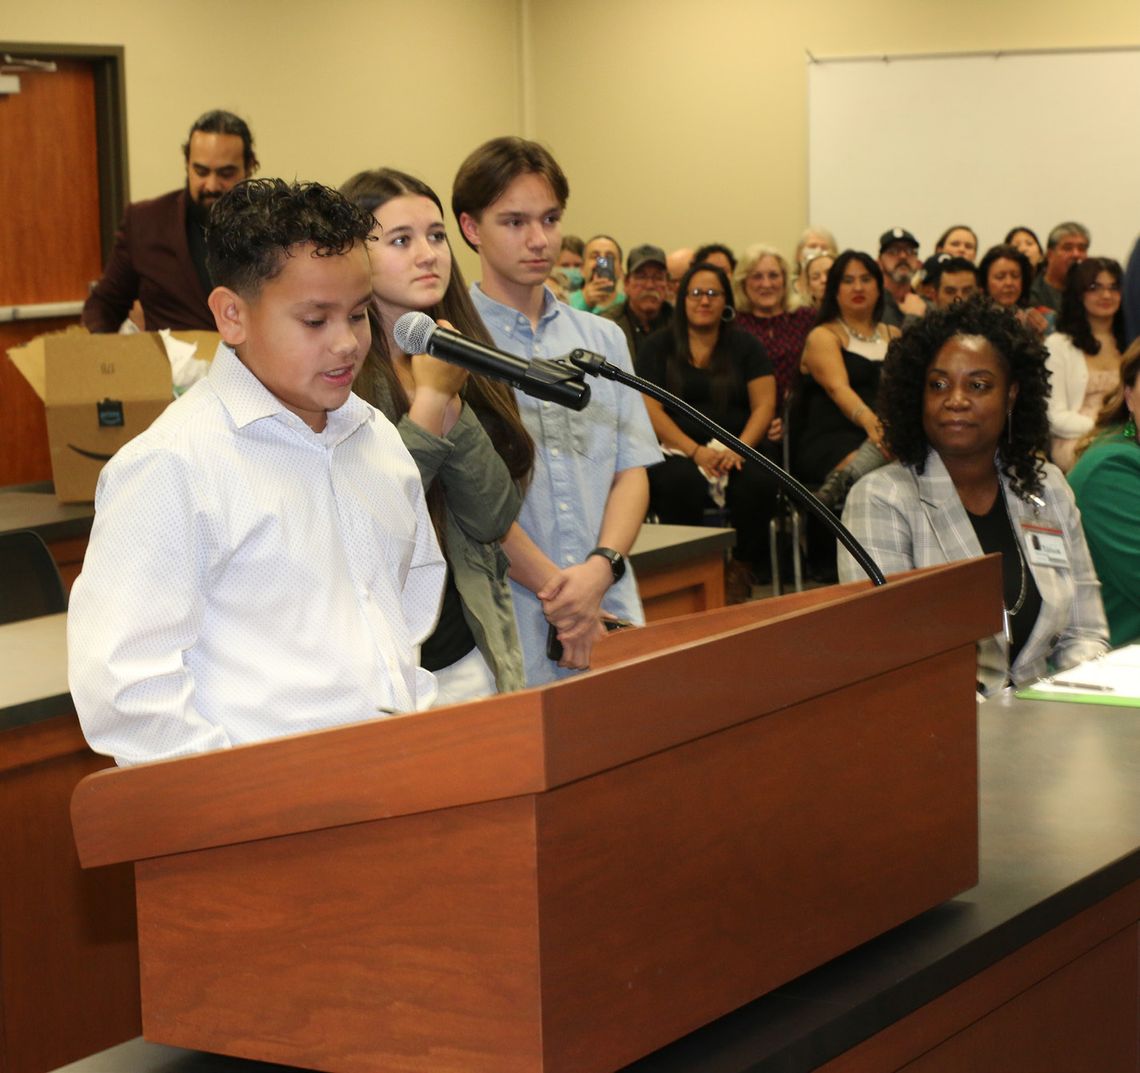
column 690, row 118
column 328, row 88
column 676, row 121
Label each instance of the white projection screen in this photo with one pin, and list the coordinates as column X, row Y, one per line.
column 992, row 141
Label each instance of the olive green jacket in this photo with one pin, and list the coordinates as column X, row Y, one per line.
column 482, row 501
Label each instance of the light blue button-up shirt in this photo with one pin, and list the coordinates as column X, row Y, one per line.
column 577, row 456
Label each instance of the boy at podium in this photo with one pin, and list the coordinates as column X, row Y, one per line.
column 262, row 561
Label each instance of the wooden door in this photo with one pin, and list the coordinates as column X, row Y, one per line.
column 50, row 234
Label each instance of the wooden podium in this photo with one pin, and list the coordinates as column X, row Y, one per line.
column 567, row 878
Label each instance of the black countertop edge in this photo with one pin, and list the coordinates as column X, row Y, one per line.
column 841, row 1004
column 35, row 486
column 39, row 710
column 62, row 529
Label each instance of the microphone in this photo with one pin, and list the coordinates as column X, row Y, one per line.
column 553, row 381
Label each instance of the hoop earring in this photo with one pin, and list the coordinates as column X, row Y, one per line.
column 728, row 315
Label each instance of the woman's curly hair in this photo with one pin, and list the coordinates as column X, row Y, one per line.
column 904, row 384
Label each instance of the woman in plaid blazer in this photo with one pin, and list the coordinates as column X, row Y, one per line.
column 963, row 404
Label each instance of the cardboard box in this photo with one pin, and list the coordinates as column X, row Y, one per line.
column 99, row 392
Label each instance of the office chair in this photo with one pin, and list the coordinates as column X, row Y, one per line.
column 30, row 584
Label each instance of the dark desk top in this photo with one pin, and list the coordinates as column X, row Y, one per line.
column 34, row 506
column 1060, row 830
column 659, row 546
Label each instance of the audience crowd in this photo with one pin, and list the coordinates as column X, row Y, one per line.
column 937, row 403
column 1051, row 319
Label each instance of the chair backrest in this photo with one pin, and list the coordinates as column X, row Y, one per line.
column 30, row 584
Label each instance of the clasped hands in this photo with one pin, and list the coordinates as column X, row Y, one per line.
column 572, row 603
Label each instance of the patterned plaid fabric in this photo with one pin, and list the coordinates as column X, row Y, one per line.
column 906, row 520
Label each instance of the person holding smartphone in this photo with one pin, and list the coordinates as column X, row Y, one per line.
column 601, row 267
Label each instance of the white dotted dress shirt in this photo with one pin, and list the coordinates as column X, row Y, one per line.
column 249, row 578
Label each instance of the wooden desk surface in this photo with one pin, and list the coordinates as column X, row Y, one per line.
column 1060, row 832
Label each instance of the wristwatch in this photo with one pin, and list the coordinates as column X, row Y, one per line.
column 616, row 559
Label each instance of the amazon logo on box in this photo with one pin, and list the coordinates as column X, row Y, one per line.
column 99, row 392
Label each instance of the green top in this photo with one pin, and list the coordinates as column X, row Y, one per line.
column 482, row 501
column 1106, row 482
column 578, row 301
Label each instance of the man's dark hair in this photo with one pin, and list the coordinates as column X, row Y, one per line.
column 489, row 170
column 254, row 227
column 1005, row 252
column 219, row 122
column 956, row 264
column 702, row 254
column 903, row 387
column 829, row 304
column 1073, row 318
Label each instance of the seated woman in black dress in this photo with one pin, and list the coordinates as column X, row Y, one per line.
column 723, row 372
column 835, row 407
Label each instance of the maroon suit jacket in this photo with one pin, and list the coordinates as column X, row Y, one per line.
column 150, row 261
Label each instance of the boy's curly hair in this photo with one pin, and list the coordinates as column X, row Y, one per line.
column 254, row 226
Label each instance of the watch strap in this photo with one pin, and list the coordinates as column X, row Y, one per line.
column 615, row 558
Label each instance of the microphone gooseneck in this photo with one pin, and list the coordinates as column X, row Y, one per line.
column 596, row 365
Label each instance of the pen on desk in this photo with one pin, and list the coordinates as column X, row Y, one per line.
column 1091, row 687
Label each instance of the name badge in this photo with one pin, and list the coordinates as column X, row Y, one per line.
column 1044, row 546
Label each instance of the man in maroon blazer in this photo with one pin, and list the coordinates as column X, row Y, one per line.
column 159, row 256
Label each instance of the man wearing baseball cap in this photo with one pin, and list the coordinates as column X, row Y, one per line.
column 644, row 309
column 898, row 258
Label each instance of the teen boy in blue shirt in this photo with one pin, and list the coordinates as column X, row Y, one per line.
column 261, row 561
column 589, row 493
